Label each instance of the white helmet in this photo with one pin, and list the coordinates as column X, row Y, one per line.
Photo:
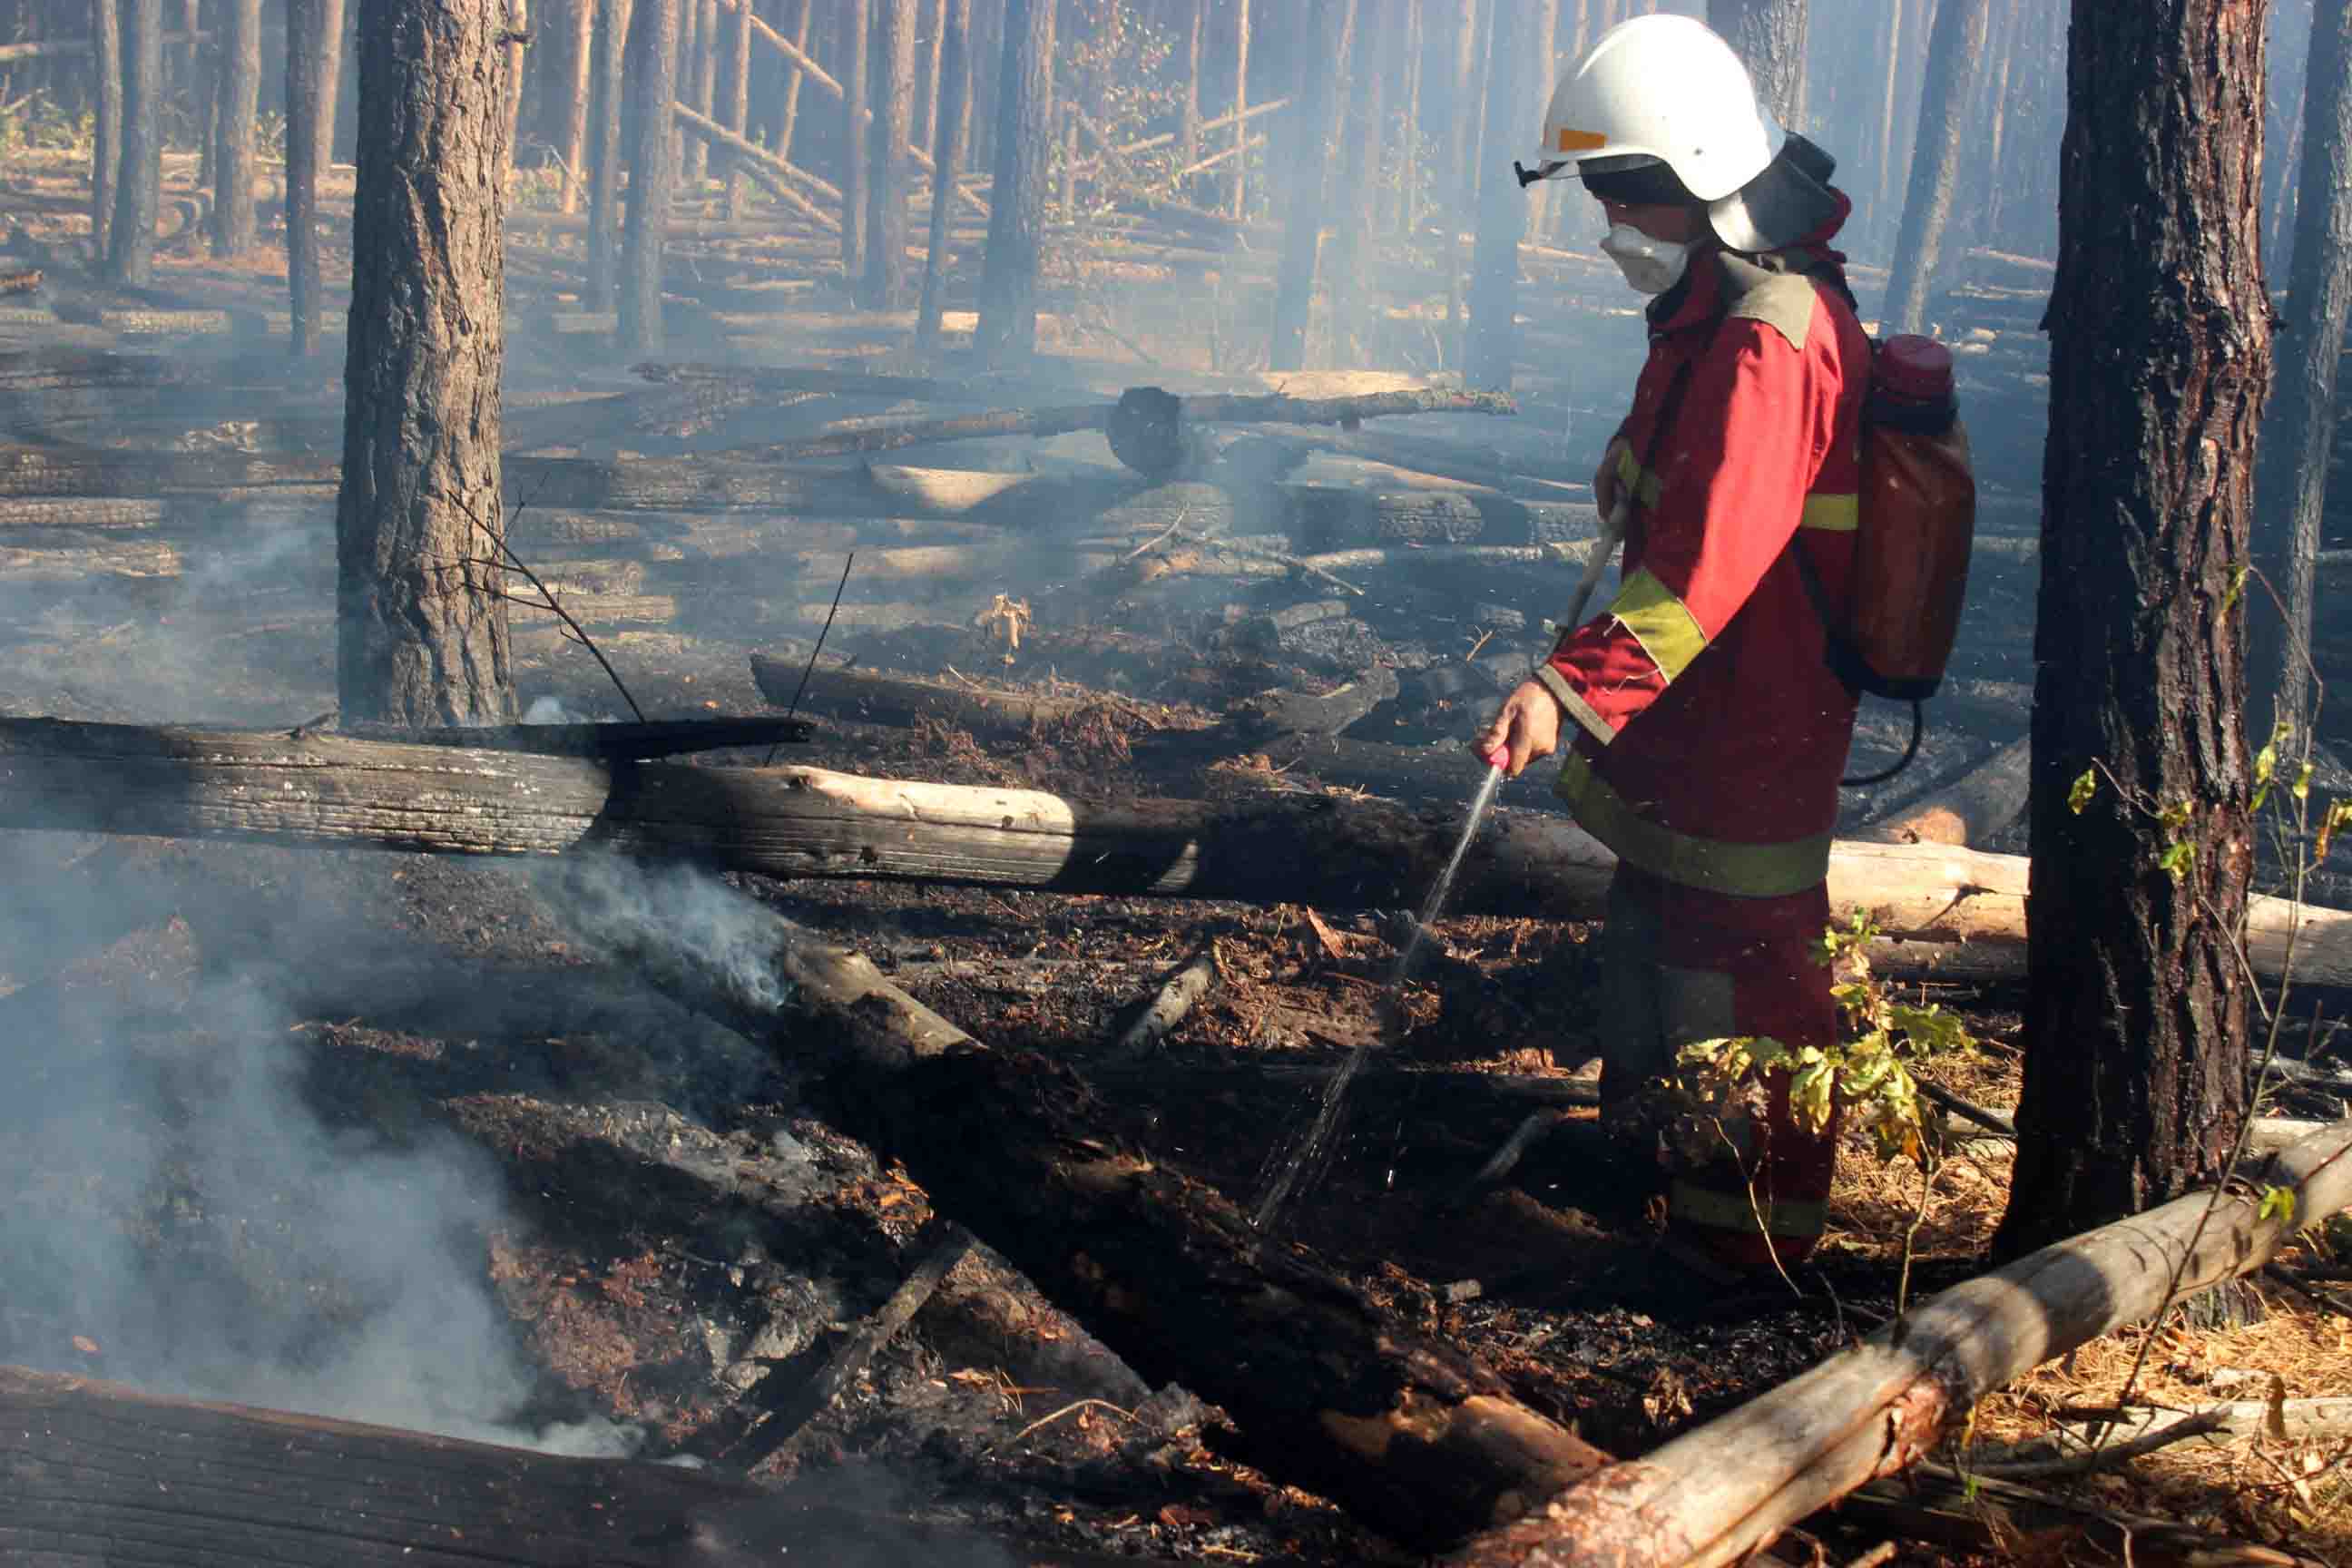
column 1663, row 88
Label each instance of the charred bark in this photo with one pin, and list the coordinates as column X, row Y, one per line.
column 653, row 87
column 608, row 69
column 1330, row 33
column 857, row 74
column 2160, row 345
column 1770, row 35
column 1016, row 216
column 131, row 251
column 420, row 625
column 1328, row 1390
column 885, row 285
column 1955, row 51
column 951, row 123
column 311, row 39
column 240, row 100
column 2292, row 484
column 106, row 151
column 1502, row 204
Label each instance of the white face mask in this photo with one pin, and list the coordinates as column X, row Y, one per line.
column 1651, row 265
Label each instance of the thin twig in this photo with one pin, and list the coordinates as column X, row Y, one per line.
column 554, row 604
column 802, row 689
column 2101, row 1456
column 1127, row 1416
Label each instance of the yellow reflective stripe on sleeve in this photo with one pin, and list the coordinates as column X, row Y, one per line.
column 1572, row 703
column 1668, row 632
column 1694, row 1204
column 1630, row 476
column 1711, row 865
column 1831, row 513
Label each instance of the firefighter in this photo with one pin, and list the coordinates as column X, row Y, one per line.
column 1706, row 730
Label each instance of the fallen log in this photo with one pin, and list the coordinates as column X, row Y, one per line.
column 1285, row 711
column 1328, row 1392
column 774, row 174
column 1969, row 810
column 100, row 1472
column 1715, row 1495
column 1260, row 847
column 750, row 383
column 615, row 742
column 1980, row 1514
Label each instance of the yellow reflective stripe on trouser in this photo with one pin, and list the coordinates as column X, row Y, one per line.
column 1831, row 513
column 1711, row 865
column 1737, row 1211
column 1668, row 632
column 1643, row 486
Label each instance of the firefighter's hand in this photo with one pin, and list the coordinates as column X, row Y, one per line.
column 1604, row 477
column 1528, row 727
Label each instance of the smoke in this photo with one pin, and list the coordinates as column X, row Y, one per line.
column 189, row 1219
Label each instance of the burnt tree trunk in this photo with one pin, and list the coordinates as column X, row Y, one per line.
column 1502, row 204
column 517, row 33
column 1462, row 212
column 653, row 86
column 1356, row 138
column 1238, row 194
column 1770, row 35
column 420, row 625
column 106, row 151
column 704, row 96
column 2159, row 326
column 856, row 70
column 893, row 127
column 312, row 29
column 1188, row 124
column 130, row 253
column 794, row 76
column 1955, row 49
column 948, row 149
column 608, row 71
column 2293, row 482
column 1016, row 199
column 564, row 36
column 1330, row 35
column 240, row 101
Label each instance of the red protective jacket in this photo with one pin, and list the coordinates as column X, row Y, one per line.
column 1709, row 731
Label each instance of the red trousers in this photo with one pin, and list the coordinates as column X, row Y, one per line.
column 1683, row 965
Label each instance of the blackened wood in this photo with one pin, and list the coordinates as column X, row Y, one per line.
column 856, row 125
column 421, row 621
column 1955, row 55
column 308, row 41
column 2292, row 486
column 614, row 742
column 652, row 77
column 884, row 286
column 1328, row 1392
column 131, row 251
column 1331, row 38
column 240, row 101
column 1510, row 108
column 608, row 88
column 1007, row 335
column 2159, row 363
column 1969, row 810
column 105, row 147
column 954, row 122
column 784, row 1427
column 1289, row 711
column 1769, row 37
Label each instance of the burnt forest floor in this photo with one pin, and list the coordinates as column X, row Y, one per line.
column 263, row 1093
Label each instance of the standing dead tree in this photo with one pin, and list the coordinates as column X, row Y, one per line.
column 1511, row 112
column 313, row 31
column 1016, row 215
column 106, row 149
column 234, row 158
column 951, row 130
column 2292, row 484
column 2161, row 346
column 857, row 71
column 131, row 252
column 653, row 89
column 607, row 72
column 885, row 283
column 1955, row 51
column 1331, row 39
column 421, row 624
